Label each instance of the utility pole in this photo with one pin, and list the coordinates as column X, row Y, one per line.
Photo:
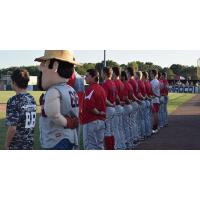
column 104, row 64
column 198, row 69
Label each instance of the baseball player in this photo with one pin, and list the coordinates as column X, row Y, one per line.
column 20, row 114
column 147, row 106
column 111, row 94
column 142, row 106
column 127, row 99
column 94, row 112
column 148, row 121
column 135, row 106
column 162, row 99
column 155, row 100
column 59, row 119
column 119, row 139
column 166, row 91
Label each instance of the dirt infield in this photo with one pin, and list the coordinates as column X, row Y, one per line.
column 183, row 132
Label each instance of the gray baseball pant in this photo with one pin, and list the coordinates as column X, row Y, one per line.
column 165, row 110
column 161, row 112
column 93, row 135
column 119, row 131
column 110, row 114
column 134, row 122
column 127, row 125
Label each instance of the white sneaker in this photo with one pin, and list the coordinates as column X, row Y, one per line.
column 154, row 131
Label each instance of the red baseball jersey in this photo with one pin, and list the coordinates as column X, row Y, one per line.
column 148, row 88
column 128, row 91
column 141, row 88
column 95, row 97
column 110, row 90
column 72, row 80
column 134, row 85
column 120, row 87
column 166, row 86
column 162, row 90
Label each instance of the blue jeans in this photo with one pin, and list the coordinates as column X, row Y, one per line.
column 64, row 144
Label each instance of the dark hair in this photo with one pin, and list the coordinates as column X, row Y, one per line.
column 39, row 82
column 159, row 75
column 21, row 78
column 107, row 71
column 139, row 74
column 65, row 69
column 154, row 72
column 164, row 74
column 116, row 71
column 93, row 73
column 124, row 75
column 131, row 71
column 145, row 74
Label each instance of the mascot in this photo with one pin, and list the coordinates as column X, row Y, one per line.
column 60, row 109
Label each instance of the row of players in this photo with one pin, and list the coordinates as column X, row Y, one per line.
column 127, row 104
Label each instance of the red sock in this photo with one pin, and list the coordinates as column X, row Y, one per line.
column 113, row 142
column 108, row 141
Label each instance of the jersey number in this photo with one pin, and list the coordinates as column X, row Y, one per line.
column 74, row 99
column 30, row 119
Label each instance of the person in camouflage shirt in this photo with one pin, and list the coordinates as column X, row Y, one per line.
column 20, row 114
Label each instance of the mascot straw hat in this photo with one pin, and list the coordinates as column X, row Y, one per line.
column 63, row 55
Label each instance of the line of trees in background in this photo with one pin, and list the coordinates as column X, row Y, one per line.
column 189, row 72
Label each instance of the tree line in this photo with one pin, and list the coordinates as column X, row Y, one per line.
column 189, row 72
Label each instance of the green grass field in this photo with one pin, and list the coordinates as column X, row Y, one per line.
column 175, row 101
column 5, row 95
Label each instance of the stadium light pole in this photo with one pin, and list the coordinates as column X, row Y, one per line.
column 104, row 64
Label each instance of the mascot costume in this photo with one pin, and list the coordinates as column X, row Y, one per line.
column 59, row 118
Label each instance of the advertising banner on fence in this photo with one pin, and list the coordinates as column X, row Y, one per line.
column 184, row 89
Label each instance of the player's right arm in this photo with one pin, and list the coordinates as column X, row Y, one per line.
column 108, row 103
column 135, row 98
column 97, row 112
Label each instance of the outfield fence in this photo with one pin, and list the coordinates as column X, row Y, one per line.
column 184, row 89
